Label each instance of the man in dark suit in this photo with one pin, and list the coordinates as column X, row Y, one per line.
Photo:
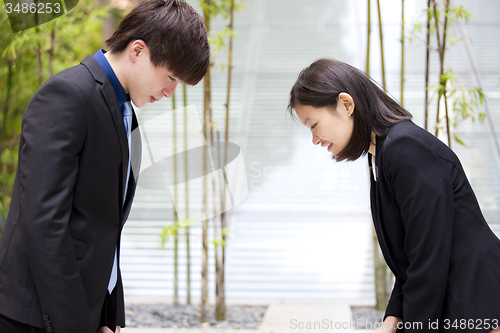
column 75, row 182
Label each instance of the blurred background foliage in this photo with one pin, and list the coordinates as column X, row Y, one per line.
column 28, row 58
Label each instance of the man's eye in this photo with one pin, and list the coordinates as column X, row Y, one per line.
column 172, row 79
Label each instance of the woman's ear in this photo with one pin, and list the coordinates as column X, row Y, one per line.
column 347, row 102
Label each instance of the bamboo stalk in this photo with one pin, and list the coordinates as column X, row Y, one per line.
column 38, row 49
column 52, row 46
column 368, row 38
column 380, row 265
column 6, row 106
column 436, row 22
column 204, row 265
column 204, row 268
column 214, row 196
column 107, row 21
column 380, row 269
column 222, row 314
column 381, row 45
column 445, row 29
column 39, row 61
column 221, row 304
column 427, row 54
column 176, row 238
column 186, row 179
column 214, row 155
column 402, row 51
column 444, row 82
column 4, row 143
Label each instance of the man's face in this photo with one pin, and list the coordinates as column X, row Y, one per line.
column 148, row 83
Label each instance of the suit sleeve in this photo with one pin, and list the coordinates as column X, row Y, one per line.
column 53, row 133
column 422, row 185
column 395, row 305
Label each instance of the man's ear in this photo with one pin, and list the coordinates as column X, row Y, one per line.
column 347, row 102
column 135, row 48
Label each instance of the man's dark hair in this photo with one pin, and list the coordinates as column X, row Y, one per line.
column 320, row 84
column 174, row 33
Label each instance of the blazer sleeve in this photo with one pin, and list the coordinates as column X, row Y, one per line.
column 52, row 136
column 395, row 305
column 422, row 185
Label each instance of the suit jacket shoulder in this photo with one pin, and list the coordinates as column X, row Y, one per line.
column 408, row 145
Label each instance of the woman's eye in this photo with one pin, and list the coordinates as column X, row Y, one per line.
column 313, row 127
column 172, row 79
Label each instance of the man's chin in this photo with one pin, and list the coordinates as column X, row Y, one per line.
column 139, row 104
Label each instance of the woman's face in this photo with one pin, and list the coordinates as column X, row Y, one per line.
column 330, row 128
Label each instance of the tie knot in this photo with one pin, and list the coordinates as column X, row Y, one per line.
column 127, row 109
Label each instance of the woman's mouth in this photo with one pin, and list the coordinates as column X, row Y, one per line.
column 329, row 146
column 152, row 99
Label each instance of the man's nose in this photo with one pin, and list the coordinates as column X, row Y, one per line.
column 169, row 90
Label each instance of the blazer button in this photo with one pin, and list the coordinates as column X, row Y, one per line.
column 48, row 323
column 46, row 317
column 49, row 329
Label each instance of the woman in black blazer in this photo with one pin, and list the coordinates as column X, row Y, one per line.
column 432, row 233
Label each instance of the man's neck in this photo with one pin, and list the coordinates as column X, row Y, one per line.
column 116, row 62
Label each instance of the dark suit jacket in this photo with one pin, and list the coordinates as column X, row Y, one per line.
column 67, row 212
column 432, row 233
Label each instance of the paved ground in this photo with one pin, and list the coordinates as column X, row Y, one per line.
column 286, row 317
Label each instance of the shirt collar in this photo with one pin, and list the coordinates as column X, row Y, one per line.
column 121, row 95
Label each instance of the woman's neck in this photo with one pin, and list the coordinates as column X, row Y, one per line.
column 372, row 148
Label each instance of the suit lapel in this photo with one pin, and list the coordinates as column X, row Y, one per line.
column 377, row 204
column 136, row 145
column 135, row 166
column 109, row 96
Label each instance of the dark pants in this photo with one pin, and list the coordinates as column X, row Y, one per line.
column 8, row 325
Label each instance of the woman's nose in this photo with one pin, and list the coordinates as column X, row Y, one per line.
column 316, row 140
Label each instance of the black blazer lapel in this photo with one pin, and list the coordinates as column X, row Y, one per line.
column 135, row 166
column 376, row 201
column 136, row 144
column 109, row 96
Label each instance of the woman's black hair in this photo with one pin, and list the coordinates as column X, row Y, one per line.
column 319, row 86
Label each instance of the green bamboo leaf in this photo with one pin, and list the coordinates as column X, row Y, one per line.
column 187, row 221
column 462, row 13
column 418, row 28
column 457, row 139
column 480, row 94
column 218, row 242
column 167, row 232
column 453, row 40
column 164, row 236
column 482, row 117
